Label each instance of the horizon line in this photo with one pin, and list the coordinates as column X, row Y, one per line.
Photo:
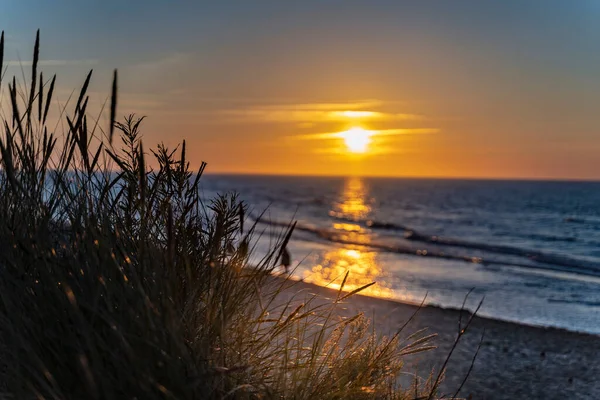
column 412, row 177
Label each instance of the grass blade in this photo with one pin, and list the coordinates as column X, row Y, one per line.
column 113, row 107
column 355, row 291
column 1, row 57
column 34, row 65
column 49, row 98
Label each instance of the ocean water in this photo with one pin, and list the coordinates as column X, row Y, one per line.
column 530, row 250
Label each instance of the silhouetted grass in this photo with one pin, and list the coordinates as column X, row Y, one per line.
column 119, row 281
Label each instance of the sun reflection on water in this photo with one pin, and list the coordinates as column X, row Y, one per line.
column 347, row 227
column 363, row 269
column 354, row 206
column 355, row 203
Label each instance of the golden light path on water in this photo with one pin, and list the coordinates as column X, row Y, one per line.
column 361, row 263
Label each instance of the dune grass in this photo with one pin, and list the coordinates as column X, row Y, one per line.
column 120, row 281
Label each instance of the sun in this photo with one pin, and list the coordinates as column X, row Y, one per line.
column 357, row 139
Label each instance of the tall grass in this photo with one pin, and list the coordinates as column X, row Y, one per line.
column 120, row 281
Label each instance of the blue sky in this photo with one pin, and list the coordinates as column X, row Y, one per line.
column 511, row 88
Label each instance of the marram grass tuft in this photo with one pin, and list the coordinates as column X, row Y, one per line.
column 118, row 281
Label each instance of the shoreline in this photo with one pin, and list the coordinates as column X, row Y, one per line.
column 457, row 310
column 539, row 362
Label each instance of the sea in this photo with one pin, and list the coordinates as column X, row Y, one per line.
column 530, row 250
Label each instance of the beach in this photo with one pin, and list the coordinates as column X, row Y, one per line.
column 514, row 362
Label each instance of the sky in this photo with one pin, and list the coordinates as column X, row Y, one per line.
column 478, row 88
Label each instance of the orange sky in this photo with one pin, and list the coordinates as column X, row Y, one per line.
column 472, row 89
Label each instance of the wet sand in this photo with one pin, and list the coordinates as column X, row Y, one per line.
column 515, row 361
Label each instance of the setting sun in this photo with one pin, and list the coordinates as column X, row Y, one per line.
column 357, row 139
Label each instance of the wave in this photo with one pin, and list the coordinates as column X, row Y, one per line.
column 533, row 259
column 533, row 255
column 581, row 220
column 580, row 302
column 574, row 220
column 335, row 236
column 546, row 238
column 389, row 226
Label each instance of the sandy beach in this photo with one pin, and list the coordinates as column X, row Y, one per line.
column 515, row 361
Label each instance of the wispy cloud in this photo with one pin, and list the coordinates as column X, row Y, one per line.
column 166, row 72
column 364, row 104
column 166, row 62
column 379, row 132
column 317, row 113
column 49, row 63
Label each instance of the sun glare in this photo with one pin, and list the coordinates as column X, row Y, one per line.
column 357, row 114
column 357, row 139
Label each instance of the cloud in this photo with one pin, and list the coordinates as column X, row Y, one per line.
column 159, row 75
column 141, row 103
column 169, row 67
column 316, row 113
column 375, row 132
column 327, row 106
column 169, row 61
column 50, row 63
